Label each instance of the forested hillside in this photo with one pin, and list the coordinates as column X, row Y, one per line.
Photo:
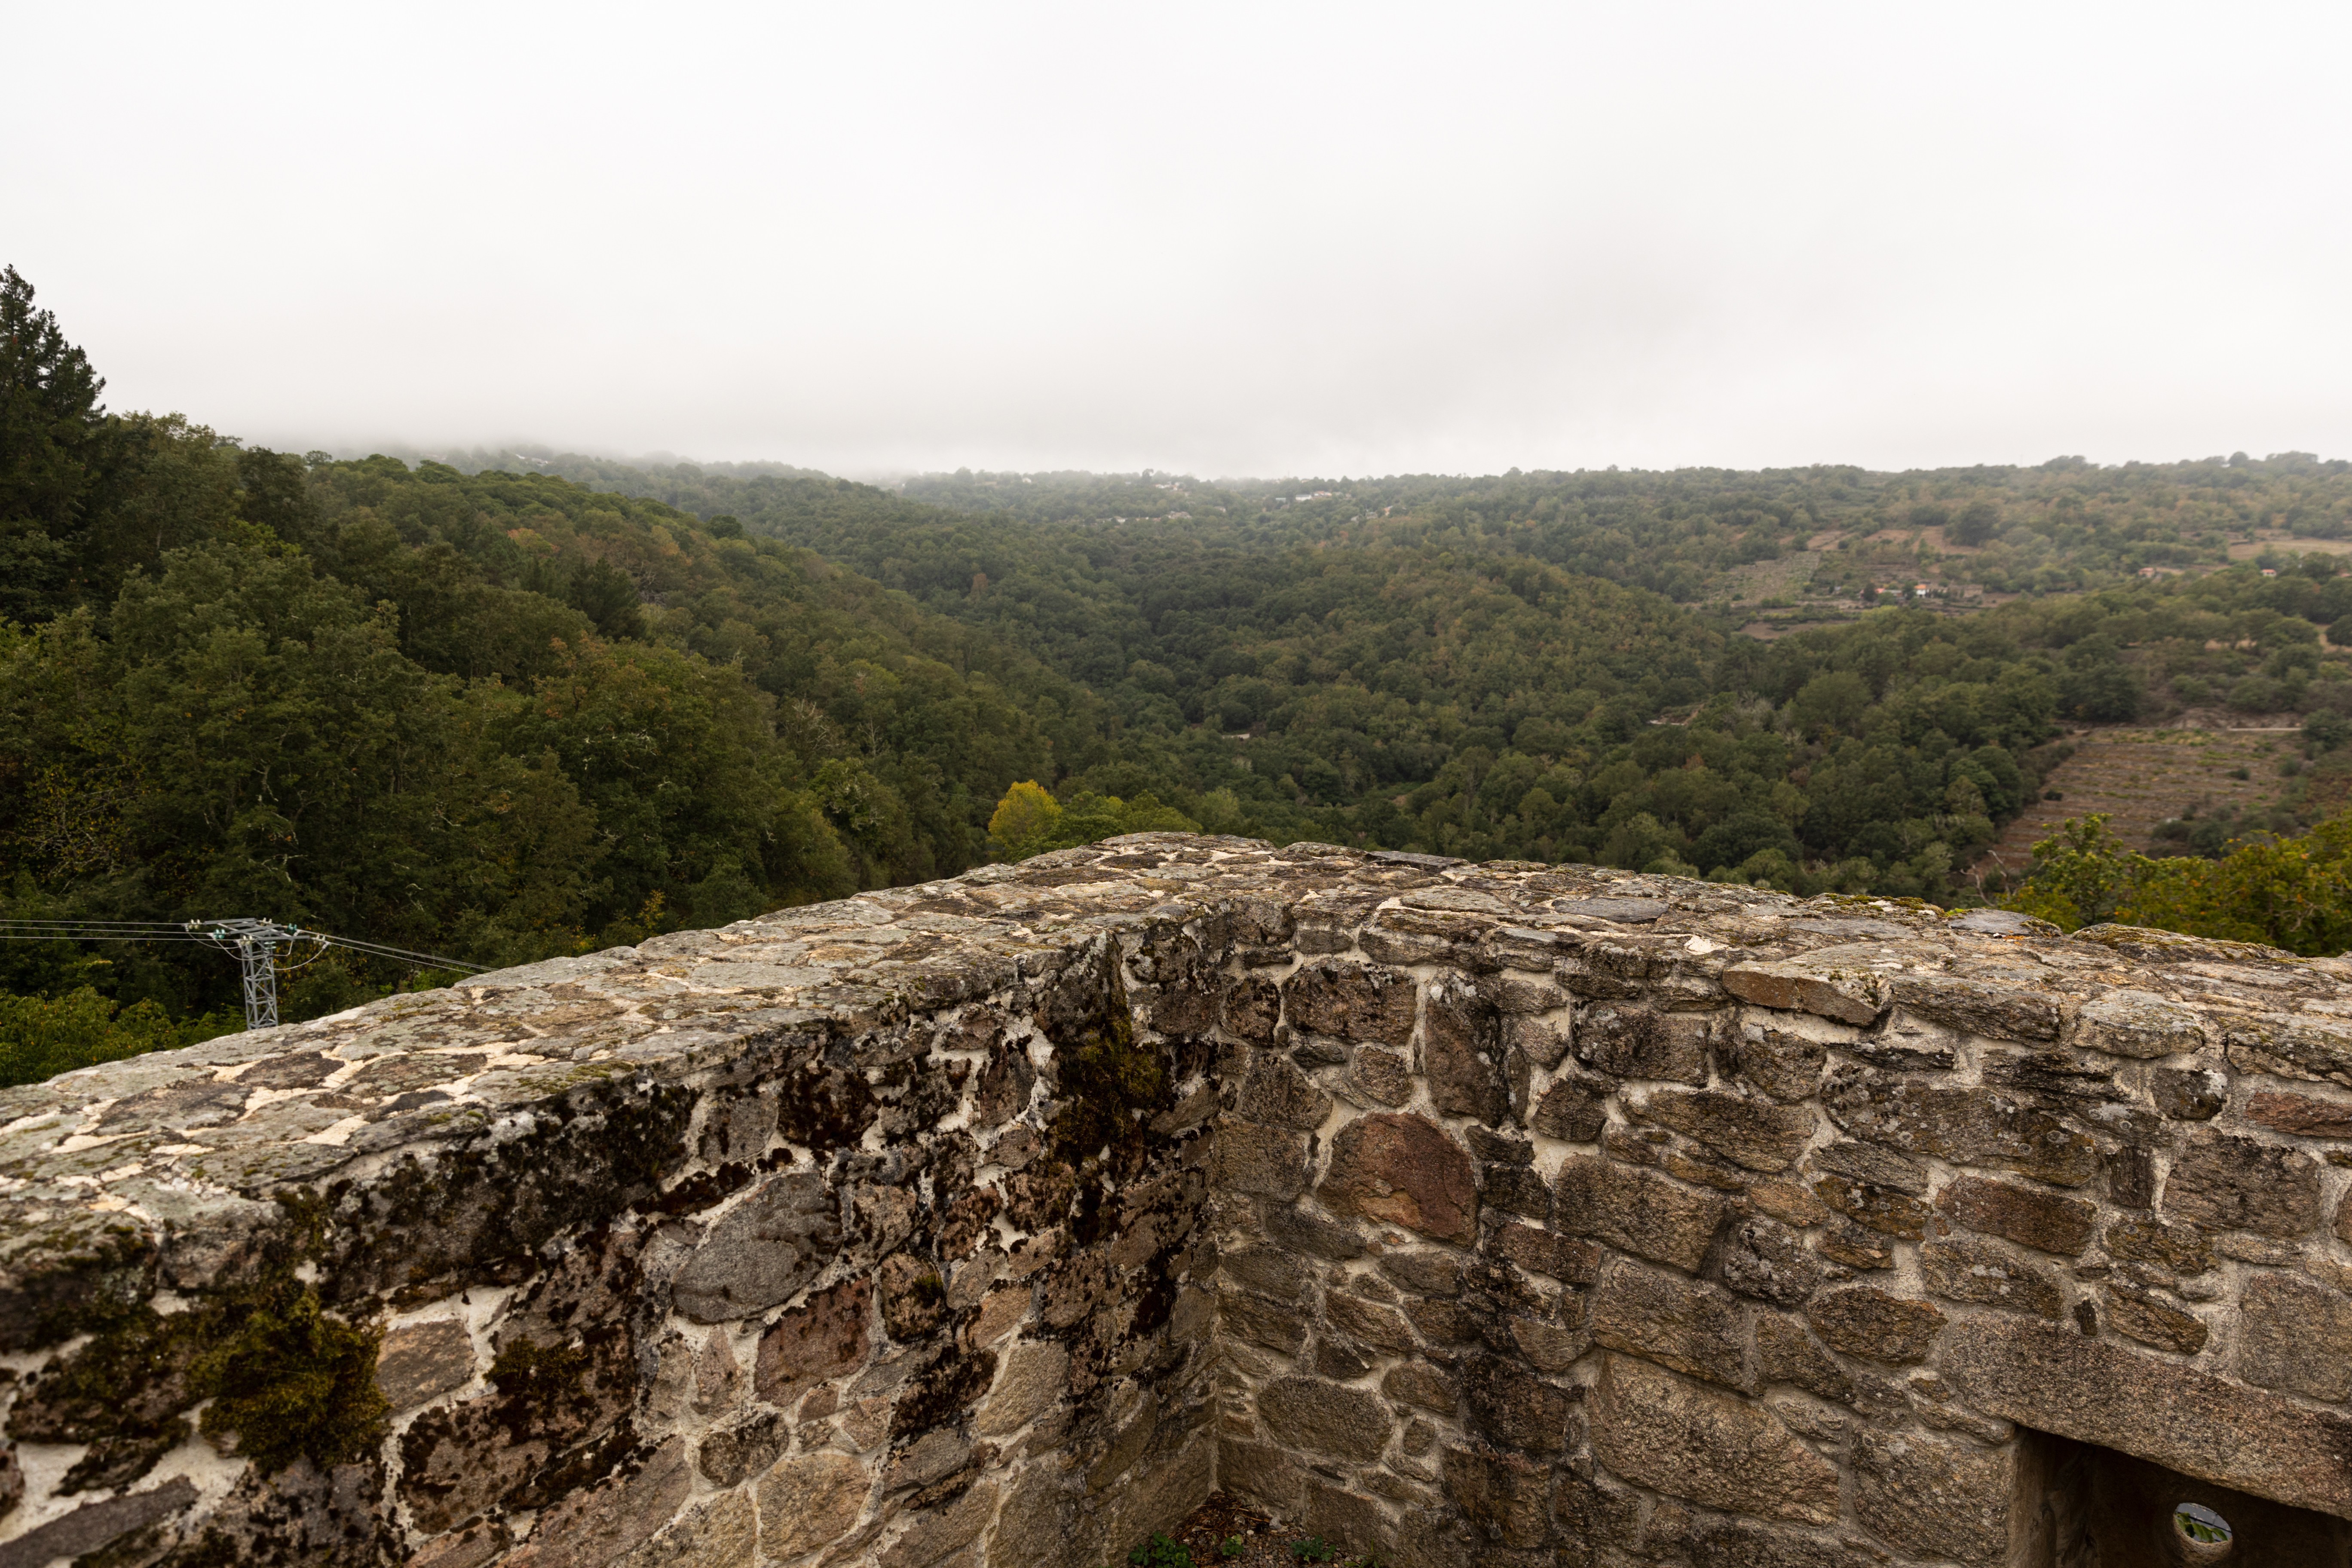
column 497, row 713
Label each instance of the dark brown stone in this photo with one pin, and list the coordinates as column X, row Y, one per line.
column 2055, row 1380
column 2144, row 1316
column 1756, row 1133
column 1965, row 1268
column 2237, row 1184
column 2040, row 1220
column 1511, row 1406
column 2182, row 1248
column 2296, row 1337
column 1787, row 1352
column 822, row 1337
column 1856, row 1247
column 1368, row 1321
column 1250, row 1008
column 1573, row 1109
column 1864, row 1321
column 1833, row 982
column 1641, row 1211
column 1631, row 1041
column 1686, row 1324
column 1566, row 1259
column 1990, row 1007
column 95, row 1525
column 422, row 1360
column 1764, row 1258
column 590, row 1528
column 2303, row 1115
column 1005, row 1086
column 2189, row 1094
column 1352, row 1001
column 1251, row 1157
column 1505, row 1496
column 1382, row 1076
column 1462, row 1052
column 1427, row 1273
column 1317, row 1418
column 2128, row 1023
column 1969, row 1126
column 1880, row 1208
column 1418, row 1383
column 1785, row 1065
column 1278, row 1095
column 1688, row 1440
column 742, row 1446
column 1934, row 1499
column 1403, row 1170
column 1262, row 1322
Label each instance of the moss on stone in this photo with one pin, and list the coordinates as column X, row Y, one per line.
column 293, row 1382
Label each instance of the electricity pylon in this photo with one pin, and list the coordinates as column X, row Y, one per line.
column 256, row 945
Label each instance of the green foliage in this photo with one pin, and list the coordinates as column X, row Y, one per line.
column 1231, row 1546
column 294, row 1382
column 2289, row 893
column 41, row 1036
column 1160, row 1552
column 1030, row 821
column 1311, row 1549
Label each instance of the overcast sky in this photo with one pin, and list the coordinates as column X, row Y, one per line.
column 1246, row 239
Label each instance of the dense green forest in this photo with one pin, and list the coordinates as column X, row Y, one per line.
column 511, row 704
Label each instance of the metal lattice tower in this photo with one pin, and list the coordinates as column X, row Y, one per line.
column 256, row 945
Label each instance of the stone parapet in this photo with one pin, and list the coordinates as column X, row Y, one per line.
column 1462, row 1213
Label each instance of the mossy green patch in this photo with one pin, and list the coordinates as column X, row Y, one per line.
column 294, row 1381
column 1104, row 1081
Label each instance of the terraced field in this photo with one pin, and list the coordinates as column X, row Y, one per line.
column 2141, row 777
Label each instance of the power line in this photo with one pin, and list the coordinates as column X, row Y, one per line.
column 254, row 943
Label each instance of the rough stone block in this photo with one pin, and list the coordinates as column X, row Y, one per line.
column 2237, row 1184
column 2291, row 1045
column 1778, row 1055
column 1382, row 1076
column 1881, row 1209
column 1757, row 1133
column 809, row 1500
column 420, row 1362
column 1688, row 1440
column 1764, row 1258
column 2189, row 1094
column 933, row 1534
column 2129, row 1023
column 2181, row 1249
column 763, row 1251
column 1462, row 1052
column 1403, row 1170
column 1686, row 1324
column 1848, row 984
column 1352, row 1001
column 1630, row 1041
column 2055, row 1380
column 2296, row 1337
column 1969, row 1126
column 2144, row 1316
column 2300, row 1115
column 1572, row 1109
column 1250, row 1157
column 1418, row 1383
column 1995, row 1008
column 1277, row 1094
column 1562, row 1258
column 1317, row 1418
column 1368, row 1321
column 1866, row 1321
column 590, row 1528
column 1965, row 1268
column 1505, row 1496
column 1348, row 1520
column 723, row 1532
column 1934, row 1499
column 2043, row 1221
column 1640, row 1211
column 1030, row 1378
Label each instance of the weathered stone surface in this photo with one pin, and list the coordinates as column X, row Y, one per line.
column 742, row 1446
column 2236, row 1184
column 1849, row 985
column 722, row 1534
column 1352, row 1001
column 933, row 1534
column 1368, row 1321
column 1934, row 1499
column 2291, row 1045
column 1688, row 1440
column 1778, row 1055
column 1541, row 1252
column 2181, row 1249
column 2044, row 1221
column 1462, row 1052
column 591, row 1528
column 809, row 1500
column 1757, row 1133
column 1631, row 1041
column 1965, row 1125
column 2128, row 1023
column 1686, row 1324
column 1574, row 1108
column 2000, row 1009
column 1278, row 1095
column 1764, row 1258
column 1641, row 1211
column 763, row 1251
column 1317, row 1418
column 1511, row 1407
column 1864, row 1321
column 2189, row 1094
column 2144, row 1316
column 1505, row 1496
column 420, row 1362
column 1404, row 1170
column 1382, row 1076
column 1253, row 1158
column 1880, row 1208
column 822, row 1337
column 2055, row 1379
column 1417, row 1383
column 2296, row 1337
column 1965, row 1269
column 2300, row 1115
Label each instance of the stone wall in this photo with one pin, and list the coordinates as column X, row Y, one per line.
column 1506, row 1214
